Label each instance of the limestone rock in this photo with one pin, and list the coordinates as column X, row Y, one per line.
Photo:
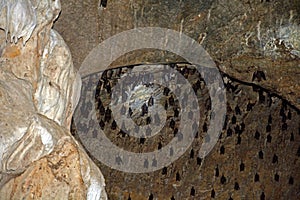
column 39, row 89
column 241, row 36
column 257, row 156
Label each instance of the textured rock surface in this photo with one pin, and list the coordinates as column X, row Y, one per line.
column 39, row 90
column 244, row 38
column 256, row 156
column 241, row 36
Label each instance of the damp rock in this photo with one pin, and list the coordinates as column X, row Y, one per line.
column 39, row 89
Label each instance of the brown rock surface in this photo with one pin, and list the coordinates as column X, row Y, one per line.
column 266, row 33
column 256, row 156
column 244, row 38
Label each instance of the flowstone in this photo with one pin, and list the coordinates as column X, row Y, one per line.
column 39, row 89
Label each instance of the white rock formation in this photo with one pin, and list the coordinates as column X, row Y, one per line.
column 39, row 89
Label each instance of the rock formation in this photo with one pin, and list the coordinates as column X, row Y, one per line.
column 39, row 89
column 241, row 36
column 255, row 44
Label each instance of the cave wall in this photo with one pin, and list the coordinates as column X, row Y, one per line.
column 255, row 44
column 242, row 37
